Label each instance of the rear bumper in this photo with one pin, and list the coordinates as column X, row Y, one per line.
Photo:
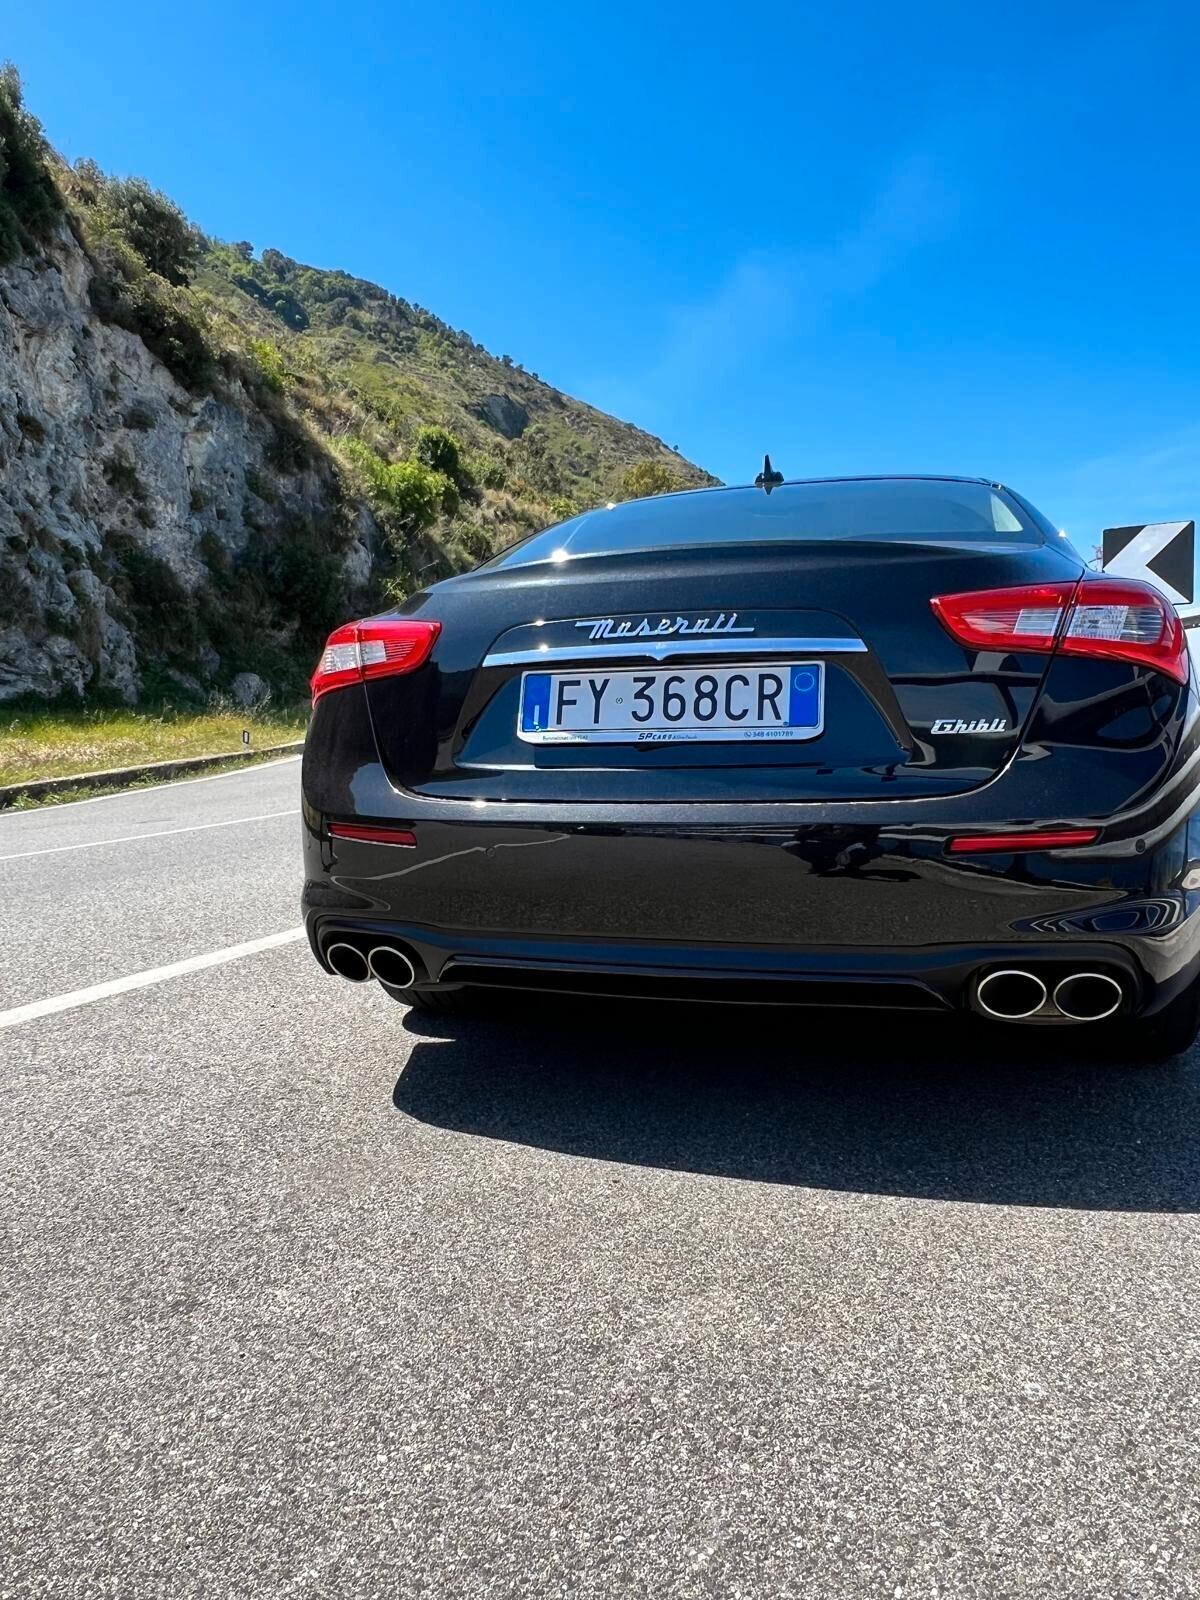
column 829, row 915
column 929, row 980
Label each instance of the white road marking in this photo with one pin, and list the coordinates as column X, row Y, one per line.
column 143, row 980
column 154, row 788
column 160, row 833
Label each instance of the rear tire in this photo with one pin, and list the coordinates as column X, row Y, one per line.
column 1171, row 1032
column 435, row 1002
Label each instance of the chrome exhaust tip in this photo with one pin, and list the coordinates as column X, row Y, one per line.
column 1010, row 995
column 392, row 967
column 348, row 962
column 1088, row 996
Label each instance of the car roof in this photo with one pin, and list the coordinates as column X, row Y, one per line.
column 854, row 477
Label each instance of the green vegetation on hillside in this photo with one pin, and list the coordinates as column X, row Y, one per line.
column 376, row 373
column 649, row 478
column 30, row 204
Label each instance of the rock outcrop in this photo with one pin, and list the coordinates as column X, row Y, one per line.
column 130, row 509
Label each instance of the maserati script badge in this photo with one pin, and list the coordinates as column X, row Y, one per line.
column 610, row 628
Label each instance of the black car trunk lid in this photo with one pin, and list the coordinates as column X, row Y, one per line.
column 907, row 711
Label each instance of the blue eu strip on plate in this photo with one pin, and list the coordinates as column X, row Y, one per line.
column 804, row 700
column 535, row 708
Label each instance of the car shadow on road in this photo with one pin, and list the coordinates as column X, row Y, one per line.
column 834, row 1100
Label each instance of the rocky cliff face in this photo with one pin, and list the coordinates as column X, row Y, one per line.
column 136, row 516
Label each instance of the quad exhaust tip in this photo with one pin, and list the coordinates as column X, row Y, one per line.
column 348, row 962
column 1011, row 994
column 1088, row 996
column 392, row 967
column 386, row 962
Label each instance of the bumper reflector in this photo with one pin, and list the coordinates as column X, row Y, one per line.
column 370, row 834
column 1009, row 843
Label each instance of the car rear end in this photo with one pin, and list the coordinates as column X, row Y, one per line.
column 871, row 743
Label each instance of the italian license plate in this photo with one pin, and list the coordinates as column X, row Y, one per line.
column 663, row 705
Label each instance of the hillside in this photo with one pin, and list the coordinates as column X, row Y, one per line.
column 209, row 456
column 405, row 369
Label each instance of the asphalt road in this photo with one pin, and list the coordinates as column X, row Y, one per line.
column 307, row 1295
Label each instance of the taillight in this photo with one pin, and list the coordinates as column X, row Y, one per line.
column 1112, row 618
column 1127, row 621
column 1017, row 619
column 377, row 648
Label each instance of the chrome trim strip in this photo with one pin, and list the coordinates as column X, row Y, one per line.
column 669, row 649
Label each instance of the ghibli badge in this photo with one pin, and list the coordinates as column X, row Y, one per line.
column 979, row 725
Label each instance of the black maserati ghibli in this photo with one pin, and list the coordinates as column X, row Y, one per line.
column 869, row 742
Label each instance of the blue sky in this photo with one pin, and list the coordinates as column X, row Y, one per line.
column 874, row 237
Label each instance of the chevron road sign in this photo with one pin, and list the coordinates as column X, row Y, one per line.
column 1161, row 553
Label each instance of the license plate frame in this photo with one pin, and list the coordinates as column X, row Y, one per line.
column 804, row 681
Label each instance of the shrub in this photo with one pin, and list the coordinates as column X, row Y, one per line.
column 163, row 318
column 153, row 225
column 415, row 493
column 492, row 474
column 282, row 302
column 30, row 204
column 268, row 608
column 439, row 449
column 450, row 497
column 159, row 604
column 535, row 458
column 84, row 181
column 410, row 490
column 268, row 360
column 305, row 582
column 153, row 582
column 476, row 541
column 648, row 478
column 289, row 448
column 261, row 486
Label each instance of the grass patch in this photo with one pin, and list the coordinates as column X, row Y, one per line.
column 62, row 797
column 57, row 743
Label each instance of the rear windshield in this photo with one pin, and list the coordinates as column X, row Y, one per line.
column 914, row 510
